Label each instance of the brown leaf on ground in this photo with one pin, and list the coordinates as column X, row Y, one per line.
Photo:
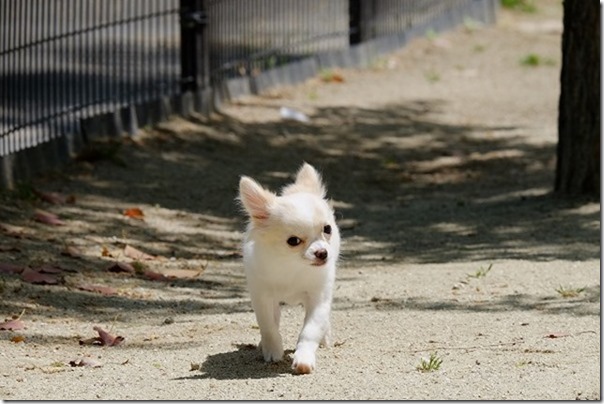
column 45, row 217
column 136, row 254
column 85, row 362
column 121, row 267
column 181, row 273
column 51, row 197
column 332, row 78
column 17, row 338
column 104, row 290
column 134, row 213
column 48, row 269
column 32, row 276
column 11, row 268
column 554, row 335
column 154, row 276
column 106, row 338
column 105, row 252
column 12, row 325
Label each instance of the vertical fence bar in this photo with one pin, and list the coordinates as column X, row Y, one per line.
column 139, row 49
column 154, row 57
column 82, row 56
column 72, row 61
column 21, row 67
column 96, row 71
column 119, row 65
column 194, row 46
column 354, row 10
column 49, row 130
column 4, row 108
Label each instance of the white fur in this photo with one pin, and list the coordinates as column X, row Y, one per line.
column 278, row 272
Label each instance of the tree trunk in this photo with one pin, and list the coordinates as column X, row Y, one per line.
column 578, row 164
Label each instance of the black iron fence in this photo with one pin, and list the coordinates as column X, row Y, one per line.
column 74, row 69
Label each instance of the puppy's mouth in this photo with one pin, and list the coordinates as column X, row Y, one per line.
column 318, row 263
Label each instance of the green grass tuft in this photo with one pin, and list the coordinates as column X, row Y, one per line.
column 430, row 365
column 569, row 292
column 481, row 273
column 526, row 6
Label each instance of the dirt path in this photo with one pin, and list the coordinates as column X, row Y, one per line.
column 440, row 160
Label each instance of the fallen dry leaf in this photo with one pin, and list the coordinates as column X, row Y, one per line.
column 47, row 218
column 134, row 213
column 17, row 338
column 104, row 290
column 121, row 267
column 51, row 197
column 104, row 338
column 154, row 276
column 557, row 335
column 105, row 252
column 32, row 276
column 85, row 362
column 12, row 325
column 48, row 269
column 333, row 78
column 11, row 268
column 181, row 273
column 107, row 338
column 136, row 254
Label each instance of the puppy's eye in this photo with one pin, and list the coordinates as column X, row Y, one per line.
column 327, row 229
column 294, row 241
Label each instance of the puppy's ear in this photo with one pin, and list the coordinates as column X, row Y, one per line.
column 255, row 199
column 307, row 180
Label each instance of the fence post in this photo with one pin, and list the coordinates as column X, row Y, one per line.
column 194, row 53
column 354, row 11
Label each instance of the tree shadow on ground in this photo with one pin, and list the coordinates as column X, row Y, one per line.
column 520, row 302
column 416, row 188
column 407, row 187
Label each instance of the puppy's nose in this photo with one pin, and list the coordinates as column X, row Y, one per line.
column 321, row 254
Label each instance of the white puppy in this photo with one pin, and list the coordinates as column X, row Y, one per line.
column 289, row 253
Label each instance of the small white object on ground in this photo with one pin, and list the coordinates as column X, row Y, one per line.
column 292, row 114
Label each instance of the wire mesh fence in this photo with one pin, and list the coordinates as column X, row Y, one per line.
column 65, row 61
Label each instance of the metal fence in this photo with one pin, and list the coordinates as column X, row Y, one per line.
column 65, row 63
column 65, row 60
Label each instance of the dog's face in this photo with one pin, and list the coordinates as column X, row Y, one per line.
column 302, row 225
column 298, row 226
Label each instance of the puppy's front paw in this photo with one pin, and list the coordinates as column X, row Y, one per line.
column 304, row 362
column 272, row 352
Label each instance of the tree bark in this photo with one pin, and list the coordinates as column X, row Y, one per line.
column 578, row 163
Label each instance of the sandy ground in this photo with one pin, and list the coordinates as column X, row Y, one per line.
column 440, row 160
